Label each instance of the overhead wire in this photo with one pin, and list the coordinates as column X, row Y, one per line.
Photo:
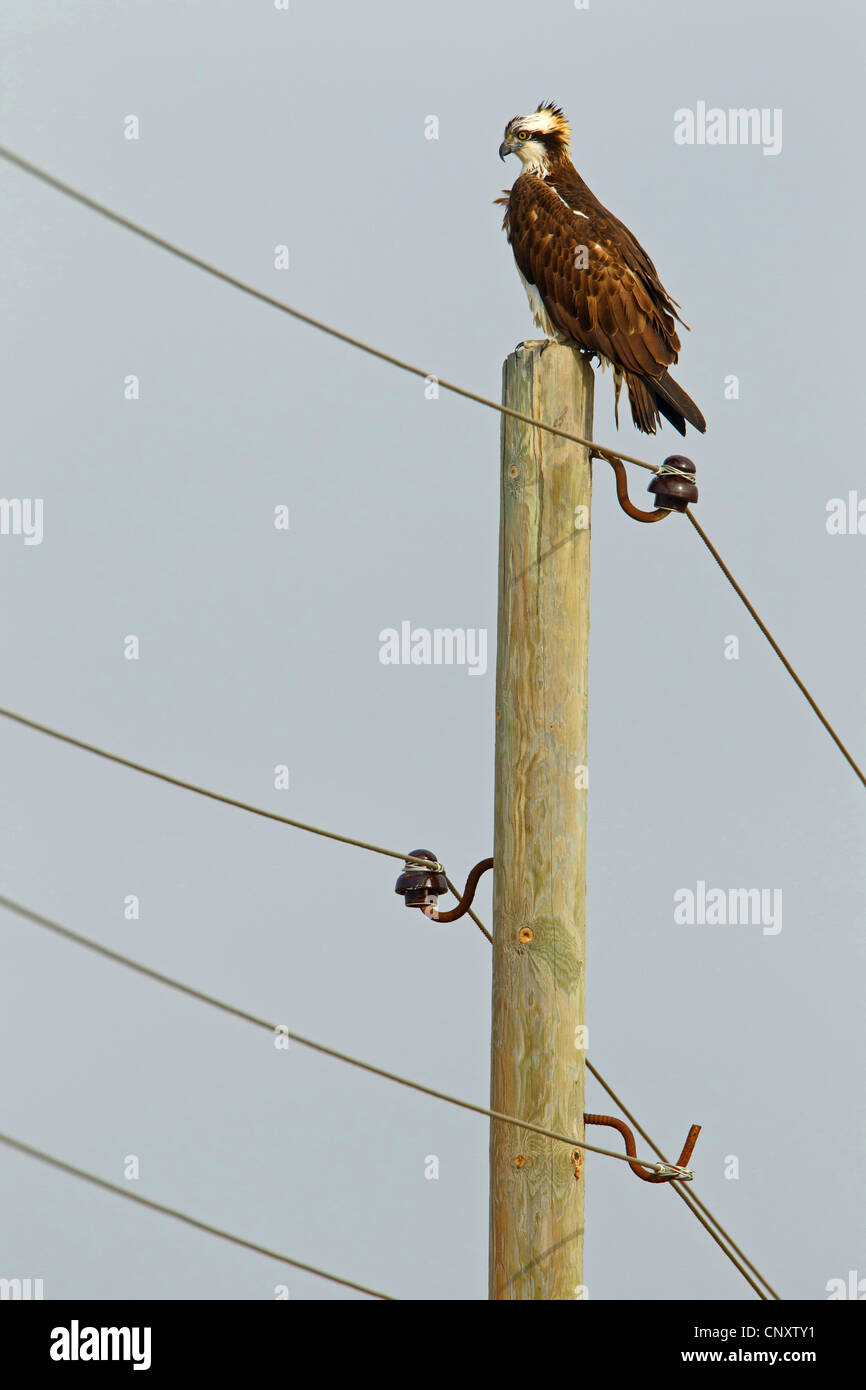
column 205, row 791
column 225, row 800
column 244, row 285
column 94, row 205
column 750, row 608
column 452, row 387
column 38, row 919
column 689, row 1196
column 202, row 996
column 62, row 1166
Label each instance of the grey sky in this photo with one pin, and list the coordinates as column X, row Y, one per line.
column 258, row 647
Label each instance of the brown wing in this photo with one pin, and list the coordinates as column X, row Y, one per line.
column 607, row 298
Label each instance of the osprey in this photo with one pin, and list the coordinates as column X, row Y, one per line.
column 589, row 282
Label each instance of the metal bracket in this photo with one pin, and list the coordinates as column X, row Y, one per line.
column 468, row 894
column 660, row 1172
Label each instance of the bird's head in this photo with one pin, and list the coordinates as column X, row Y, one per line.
column 538, row 140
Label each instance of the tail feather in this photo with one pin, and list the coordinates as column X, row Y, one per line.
column 651, row 398
column 644, row 411
column 666, row 390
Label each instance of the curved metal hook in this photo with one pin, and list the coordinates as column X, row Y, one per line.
column 631, row 1149
column 466, row 901
column 622, row 494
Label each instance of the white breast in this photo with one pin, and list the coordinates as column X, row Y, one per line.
column 542, row 318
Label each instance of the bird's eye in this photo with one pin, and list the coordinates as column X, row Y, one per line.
column 523, row 134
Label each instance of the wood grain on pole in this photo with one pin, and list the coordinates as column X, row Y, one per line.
column 539, row 917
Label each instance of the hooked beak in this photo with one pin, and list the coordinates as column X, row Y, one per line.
column 504, row 149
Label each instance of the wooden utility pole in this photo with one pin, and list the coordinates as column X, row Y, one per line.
column 539, row 892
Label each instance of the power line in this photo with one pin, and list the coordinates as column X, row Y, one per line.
column 689, row 1196
column 188, row 989
column 205, row 791
column 776, row 648
column 246, row 288
column 39, row 920
column 138, row 767
column 62, row 1166
column 226, row 800
column 692, row 1201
